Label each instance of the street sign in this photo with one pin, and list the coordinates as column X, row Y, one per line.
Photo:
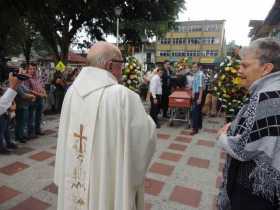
column 60, row 66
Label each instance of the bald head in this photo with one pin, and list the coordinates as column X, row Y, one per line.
column 101, row 52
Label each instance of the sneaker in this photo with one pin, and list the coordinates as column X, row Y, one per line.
column 40, row 133
column 5, row 151
column 32, row 137
column 21, row 140
column 193, row 132
column 12, row 146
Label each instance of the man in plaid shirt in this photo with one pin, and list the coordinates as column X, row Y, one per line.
column 36, row 108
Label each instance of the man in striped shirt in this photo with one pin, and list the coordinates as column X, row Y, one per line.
column 197, row 95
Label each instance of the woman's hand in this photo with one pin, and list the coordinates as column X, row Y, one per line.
column 223, row 130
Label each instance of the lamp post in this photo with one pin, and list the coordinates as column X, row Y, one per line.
column 118, row 11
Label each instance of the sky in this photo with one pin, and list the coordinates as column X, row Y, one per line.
column 237, row 14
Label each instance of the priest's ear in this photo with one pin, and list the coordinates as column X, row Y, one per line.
column 109, row 65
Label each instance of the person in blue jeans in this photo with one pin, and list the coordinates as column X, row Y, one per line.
column 197, row 96
column 35, row 108
column 23, row 99
column 5, row 138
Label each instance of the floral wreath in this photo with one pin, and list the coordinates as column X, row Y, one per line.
column 131, row 74
column 227, row 86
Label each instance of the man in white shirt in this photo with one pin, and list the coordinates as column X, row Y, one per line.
column 155, row 90
column 189, row 79
column 10, row 94
column 105, row 140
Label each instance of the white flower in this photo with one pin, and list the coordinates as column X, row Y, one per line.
column 129, row 81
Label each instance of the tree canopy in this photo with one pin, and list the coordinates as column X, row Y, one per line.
column 60, row 21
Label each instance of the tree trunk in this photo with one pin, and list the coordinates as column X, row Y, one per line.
column 65, row 43
column 64, row 52
column 26, row 47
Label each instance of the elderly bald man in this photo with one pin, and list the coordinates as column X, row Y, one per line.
column 105, row 141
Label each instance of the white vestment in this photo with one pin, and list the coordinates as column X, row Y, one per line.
column 105, row 143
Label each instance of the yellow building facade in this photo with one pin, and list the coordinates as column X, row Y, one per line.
column 200, row 41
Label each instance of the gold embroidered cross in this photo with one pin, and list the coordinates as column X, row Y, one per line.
column 81, row 137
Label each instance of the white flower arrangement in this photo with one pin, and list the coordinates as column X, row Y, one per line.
column 132, row 74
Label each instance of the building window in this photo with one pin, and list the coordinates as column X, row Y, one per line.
column 203, row 53
column 216, row 41
column 181, row 41
column 197, row 28
column 148, row 57
column 164, row 53
column 212, row 28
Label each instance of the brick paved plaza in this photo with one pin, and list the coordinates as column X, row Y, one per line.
column 184, row 175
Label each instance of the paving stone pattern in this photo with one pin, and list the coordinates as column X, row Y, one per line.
column 185, row 172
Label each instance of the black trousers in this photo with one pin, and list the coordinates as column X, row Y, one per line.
column 164, row 101
column 59, row 97
column 196, row 114
column 155, row 108
column 5, row 138
column 242, row 199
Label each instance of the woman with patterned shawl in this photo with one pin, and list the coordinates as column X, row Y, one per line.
column 252, row 140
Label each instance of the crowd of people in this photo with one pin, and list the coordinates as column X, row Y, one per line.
column 104, row 149
column 162, row 81
column 36, row 94
column 97, row 166
column 44, row 92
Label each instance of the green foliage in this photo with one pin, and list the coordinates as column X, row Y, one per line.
column 18, row 35
column 146, row 19
column 59, row 21
column 8, row 19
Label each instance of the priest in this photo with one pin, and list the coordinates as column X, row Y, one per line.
column 105, row 140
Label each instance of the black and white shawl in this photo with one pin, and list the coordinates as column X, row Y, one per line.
column 254, row 136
